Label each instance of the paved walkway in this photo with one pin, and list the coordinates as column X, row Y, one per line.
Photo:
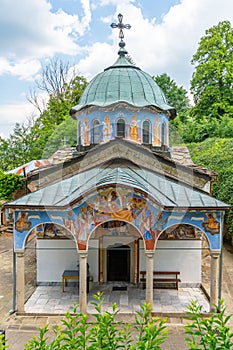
column 19, row 329
column 52, row 300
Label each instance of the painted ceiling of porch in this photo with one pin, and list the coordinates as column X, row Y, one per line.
column 165, row 192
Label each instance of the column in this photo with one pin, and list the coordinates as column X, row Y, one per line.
column 101, row 261
column 214, row 274
column 20, row 282
column 149, row 277
column 83, row 282
column 136, row 247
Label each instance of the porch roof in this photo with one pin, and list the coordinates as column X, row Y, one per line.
column 164, row 191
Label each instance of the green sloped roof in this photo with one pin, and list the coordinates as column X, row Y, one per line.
column 126, row 83
column 164, row 191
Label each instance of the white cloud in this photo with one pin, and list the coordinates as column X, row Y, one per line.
column 24, row 69
column 13, row 113
column 31, row 31
column 100, row 56
column 16, row 112
column 158, row 47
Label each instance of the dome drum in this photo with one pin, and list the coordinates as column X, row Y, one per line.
column 139, row 126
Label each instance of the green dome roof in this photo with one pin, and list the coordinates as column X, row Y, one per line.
column 126, row 83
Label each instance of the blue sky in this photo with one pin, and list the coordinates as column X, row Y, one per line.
column 163, row 38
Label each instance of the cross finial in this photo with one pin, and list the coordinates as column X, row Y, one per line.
column 64, row 140
column 121, row 26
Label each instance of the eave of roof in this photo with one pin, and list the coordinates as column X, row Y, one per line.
column 164, row 192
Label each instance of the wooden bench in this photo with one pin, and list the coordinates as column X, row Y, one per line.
column 69, row 275
column 165, row 277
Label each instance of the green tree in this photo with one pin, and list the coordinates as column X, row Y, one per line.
column 9, row 183
column 212, row 80
column 176, row 95
column 17, row 149
column 217, row 154
column 56, row 114
column 39, row 138
column 64, row 134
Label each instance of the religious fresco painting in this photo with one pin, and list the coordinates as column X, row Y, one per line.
column 109, row 204
column 157, row 133
column 181, row 232
column 107, row 129
column 116, row 228
column 52, row 231
column 85, row 132
column 211, row 224
column 133, row 127
column 206, row 221
column 119, row 204
column 22, row 223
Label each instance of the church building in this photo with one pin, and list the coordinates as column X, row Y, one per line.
column 123, row 205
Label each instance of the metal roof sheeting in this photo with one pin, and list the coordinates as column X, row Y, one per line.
column 162, row 190
column 123, row 82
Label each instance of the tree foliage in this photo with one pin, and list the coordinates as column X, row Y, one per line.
column 217, row 154
column 192, row 129
column 212, row 81
column 64, row 134
column 9, row 183
column 35, row 139
column 176, row 95
column 212, row 86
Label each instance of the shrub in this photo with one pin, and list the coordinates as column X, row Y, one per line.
column 210, row 333
column 217, row 155
column 105, row 334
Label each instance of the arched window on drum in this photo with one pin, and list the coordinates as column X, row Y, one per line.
column 146, row 132
column 96, row 132
column 120, row 128
column 164, row 136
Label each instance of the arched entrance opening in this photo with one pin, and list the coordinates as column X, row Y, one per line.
column 118, row 252
column 118, row 263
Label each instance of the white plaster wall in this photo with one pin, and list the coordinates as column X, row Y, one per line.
column 183, row 256
column 53, row 257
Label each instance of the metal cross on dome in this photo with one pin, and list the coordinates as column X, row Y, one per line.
column 121, row 26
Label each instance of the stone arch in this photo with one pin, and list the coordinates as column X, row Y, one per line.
column 29, row 232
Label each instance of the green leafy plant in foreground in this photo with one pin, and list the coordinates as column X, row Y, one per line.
column 149, row 332
column 210, row 333
column 3, row 345
column 106, row 333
